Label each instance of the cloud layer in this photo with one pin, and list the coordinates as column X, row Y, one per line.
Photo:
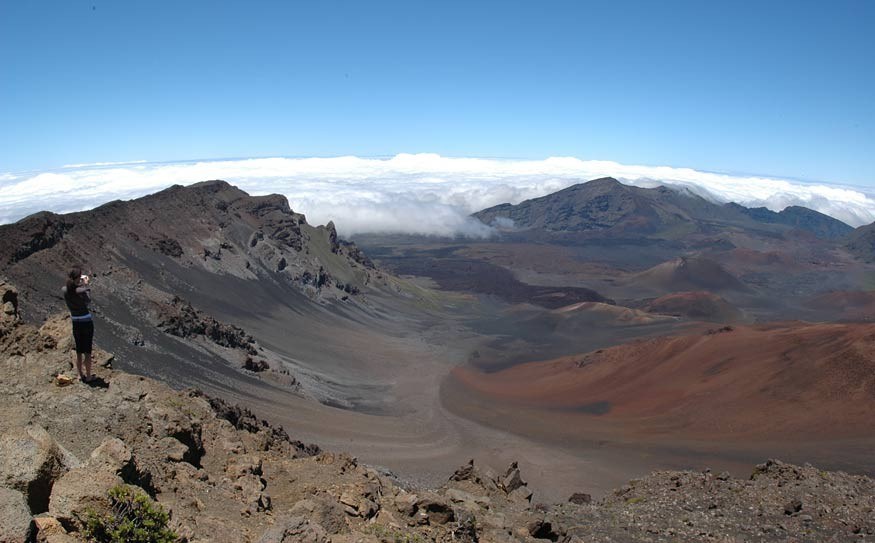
column 421, row 194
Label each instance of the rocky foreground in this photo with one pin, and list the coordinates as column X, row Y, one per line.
column 224, row 475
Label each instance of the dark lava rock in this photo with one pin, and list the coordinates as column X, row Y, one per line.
column 179, row 318
column 436, row 510
column 169, row 247
column 792, row 507
column 255, row 365
column 580, row 498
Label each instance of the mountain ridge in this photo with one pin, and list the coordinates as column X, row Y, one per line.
column 608, row 206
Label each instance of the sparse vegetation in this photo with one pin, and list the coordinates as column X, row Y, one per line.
column 132, row 518
column 390, row 534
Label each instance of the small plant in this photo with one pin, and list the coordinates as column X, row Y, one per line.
column 389, row 534
column 132, row 518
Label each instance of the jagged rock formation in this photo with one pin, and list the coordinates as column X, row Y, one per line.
column 180, row 319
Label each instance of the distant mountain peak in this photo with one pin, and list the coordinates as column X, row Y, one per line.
column 606, row 205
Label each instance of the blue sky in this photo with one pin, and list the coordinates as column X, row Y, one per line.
column 779, row 88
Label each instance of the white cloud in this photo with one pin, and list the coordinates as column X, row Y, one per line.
column 423, row 193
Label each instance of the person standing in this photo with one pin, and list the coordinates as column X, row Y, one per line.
column 77, row 294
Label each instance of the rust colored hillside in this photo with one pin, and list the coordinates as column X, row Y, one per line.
column 777, row 382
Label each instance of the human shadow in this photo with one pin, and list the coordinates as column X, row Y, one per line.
column 97, row 382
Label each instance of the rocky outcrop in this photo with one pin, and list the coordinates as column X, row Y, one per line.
column 169, row 247
column 179, row 318
column 36, row 233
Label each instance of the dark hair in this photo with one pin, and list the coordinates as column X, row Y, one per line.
column 73, row 279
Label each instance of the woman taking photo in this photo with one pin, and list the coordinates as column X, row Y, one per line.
column 77, row 295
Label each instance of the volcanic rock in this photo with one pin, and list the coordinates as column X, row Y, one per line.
column 16, row 522
column 30, row 462
column 293, row 529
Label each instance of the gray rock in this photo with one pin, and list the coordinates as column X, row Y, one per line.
column 16, row 522
column 112, row 455
column 521, row 494
column 294, row 529
column 464, row 473
column 79, row 490
column 512, row 479
column 793, row 507
column 30, row 462
column 322, row 510
column 436, row 509
column 406, row 503
column 580, row 498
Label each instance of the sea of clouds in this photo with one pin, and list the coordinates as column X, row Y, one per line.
column 417, row 194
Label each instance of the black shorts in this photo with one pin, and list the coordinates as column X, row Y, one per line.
column 83, row 334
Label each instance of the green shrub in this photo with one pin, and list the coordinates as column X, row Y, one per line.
column 132, row 518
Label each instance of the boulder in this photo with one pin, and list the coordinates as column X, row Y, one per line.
column 50, row 530
column 322, row 510
column 79, row 490
column 580, row 498
column 251, row 488
column 293, row 529
column 464, row 473
column 112, row 455
column 173, row 450
column 244, row 464
column 542, row 529
column 520, row 495
column 512, row 480
column 16, row 522
column 30, row 462
column 435, row 509
column 406, row 503
column 792, row 507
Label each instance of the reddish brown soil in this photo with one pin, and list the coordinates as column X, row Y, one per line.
column 778, row 382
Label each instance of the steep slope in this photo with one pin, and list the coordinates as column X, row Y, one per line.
column 810, row 380
column 861, row 243
column 209, row 226
column 189, row 273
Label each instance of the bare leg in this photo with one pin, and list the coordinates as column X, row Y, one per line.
column 79, row 365
column 88, row 375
